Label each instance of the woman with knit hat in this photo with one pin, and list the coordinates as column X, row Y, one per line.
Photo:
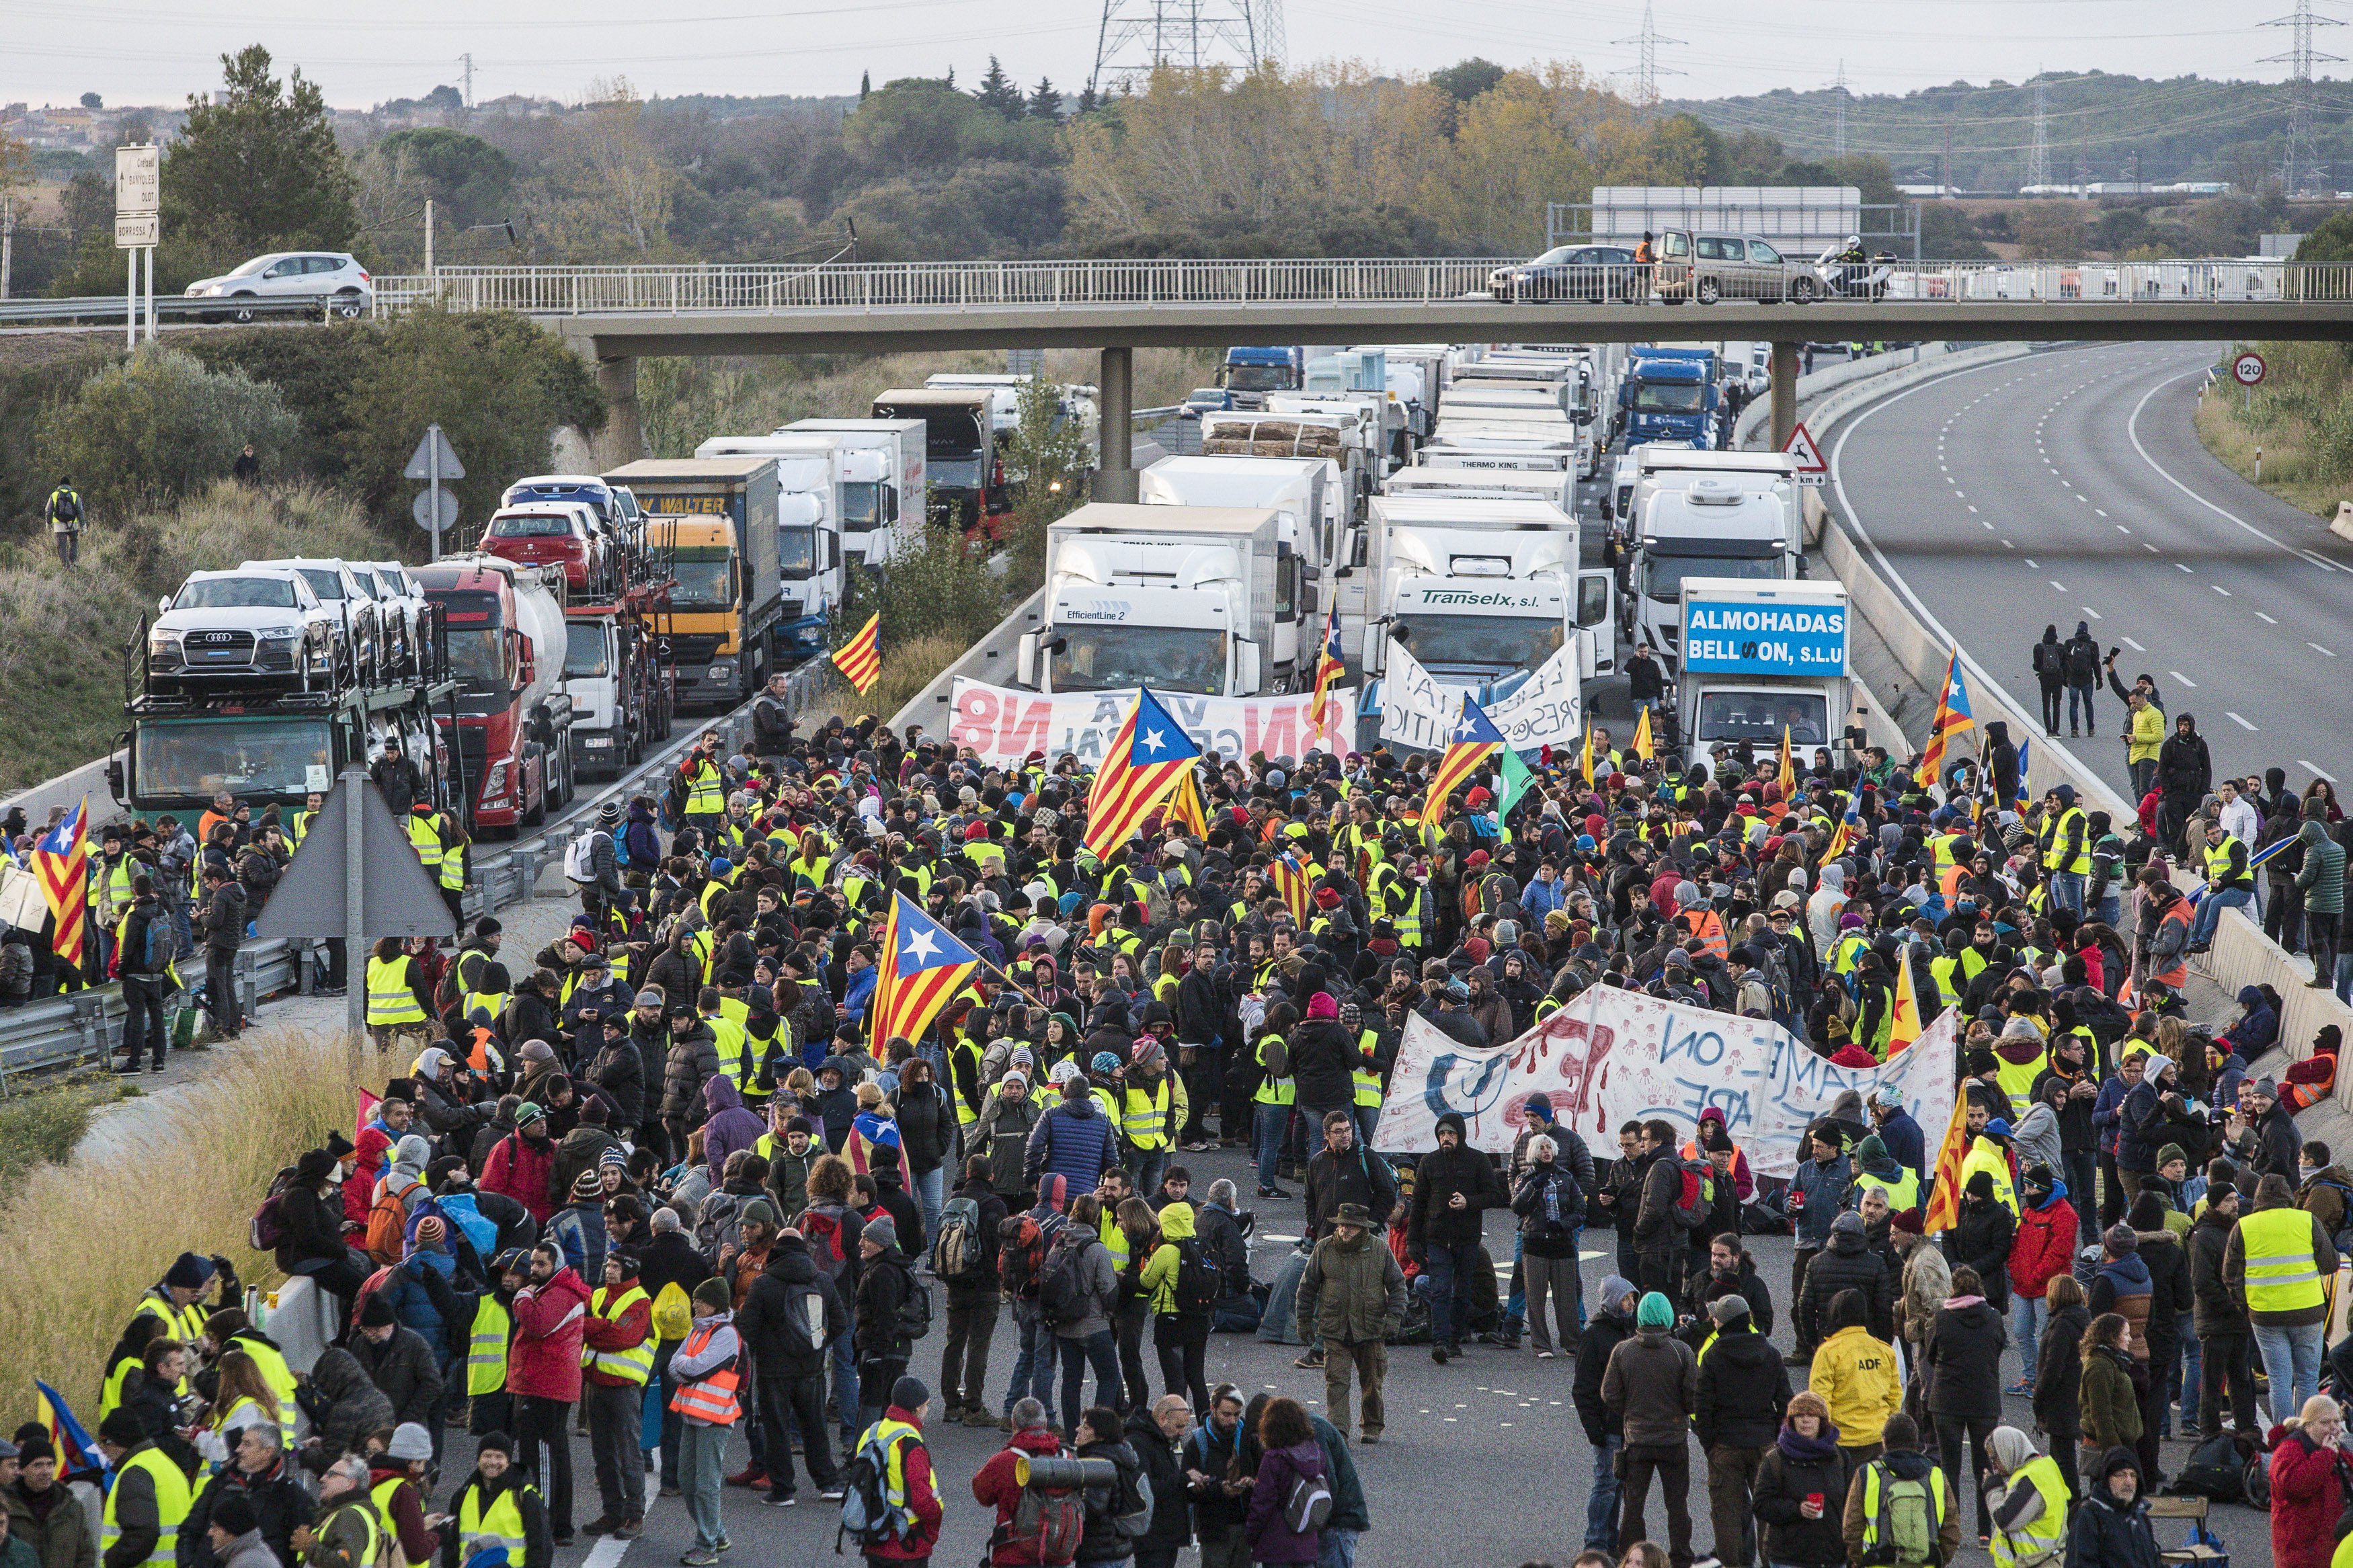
column 1801, row 1489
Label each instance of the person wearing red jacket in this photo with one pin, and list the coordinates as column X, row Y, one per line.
column 908, row 1398
column 522, row 1163
column 2310, row 1479
column 551, row 1316
column 2042, row 1250
column 619, row 1338
column 995, row 1485
column 375, row 1144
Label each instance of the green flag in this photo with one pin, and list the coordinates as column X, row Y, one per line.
column 1513, row 779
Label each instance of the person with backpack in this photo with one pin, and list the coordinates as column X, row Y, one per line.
column 1157, row 1435
column 789, row 1320
column 2050, row 663
column 1119, row 1512
column 2082, row 672
column 1290, row 1497
column 1551, row 1209
column 1454, row 1186
column 1899, row 1510
column 1077, row 1288
column 143, row 949
column 1037, row 1526
column 963, row 1258
column 1183, row 1284
column 63, row 511
column 891, row 1507
column 888, row 1301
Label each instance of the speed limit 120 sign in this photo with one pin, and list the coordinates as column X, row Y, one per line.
column 2247, row 369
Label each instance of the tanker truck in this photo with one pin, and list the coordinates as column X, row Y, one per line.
column 513, row 715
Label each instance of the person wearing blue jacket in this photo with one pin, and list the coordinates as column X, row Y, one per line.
column 1817, row 1193
column 1899, row 1134
column 2106, row 1113
column 1074, row 1139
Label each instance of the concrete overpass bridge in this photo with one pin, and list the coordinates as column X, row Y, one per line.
column 617, row 315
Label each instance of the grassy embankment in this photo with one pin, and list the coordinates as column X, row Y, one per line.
column 2300, row 420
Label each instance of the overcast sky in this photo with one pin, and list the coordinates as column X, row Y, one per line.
column 144, row 52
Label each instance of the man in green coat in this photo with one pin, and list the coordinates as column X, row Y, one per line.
column 2322, row 880
column 1354, row 1293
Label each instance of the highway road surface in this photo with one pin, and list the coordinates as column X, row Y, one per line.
column 2070, row 486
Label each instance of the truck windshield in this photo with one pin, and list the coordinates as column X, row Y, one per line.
column 1662, row 575
column 1259, row 377
column 584, row 650
column 797, row 553
column 1173, row 658
column 703, row 583
column 948, row 432
column 1666, row 397
column 861, row 505
column 478, row 656
column 1497, row 643
column 244, row 756
column 1757, row 717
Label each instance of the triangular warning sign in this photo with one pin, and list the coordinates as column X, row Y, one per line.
column 1800, row 445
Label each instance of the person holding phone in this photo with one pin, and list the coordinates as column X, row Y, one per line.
column 1801, row 1486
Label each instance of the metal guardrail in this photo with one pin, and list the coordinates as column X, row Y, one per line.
column 106, row 310
column 686, row 291
column 83, row 1029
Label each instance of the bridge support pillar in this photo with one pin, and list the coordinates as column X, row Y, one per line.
column 1115, row 475
column 623, row 439
column 1785, row 393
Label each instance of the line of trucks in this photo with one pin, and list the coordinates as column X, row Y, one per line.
column 1437, row 511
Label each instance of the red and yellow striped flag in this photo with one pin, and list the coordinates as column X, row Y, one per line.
column 1186, row 809
column 1945, row 1186
column 922, row 966
column 1290, row 880
column 61, row 860
column 1328, row 669
column 1147, row 758
column 1469, row 744
column 861, row 659
column 1952, row 718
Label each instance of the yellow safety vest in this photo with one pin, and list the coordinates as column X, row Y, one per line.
column 365, row 1511
column 1901, row 1195
column 1368, row 1082
column 486, row 1348
column 186, row 1324
column 1877, row 1509
column 171, row 1499
column 728, row 1035
column 500, row 1525
column 276, row 1374
column 381, row 1495
column 109, row 1393
column 966, row 1115
column 634, row 1364
column 1115, row 1241
column 2282, row 1275
column 1986, row 1157
column 1848, row 952
column 2054, row 833
column 492, row 1002
column 2045, row 1540
column 2018, row 1082
column 1947, row 992
column 894, row 1436
column 704, row 797
column 453, row 869
column 298, row 828
column 1146, row 1121
column 1273, row 1091
column 424, row 837
column 390, row 1001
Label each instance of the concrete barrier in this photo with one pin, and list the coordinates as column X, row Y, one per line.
column 1754, row 427
column 990, row 659
column 67, row 790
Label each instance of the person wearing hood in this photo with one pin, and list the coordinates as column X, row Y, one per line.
column 1981, row 1237
column 1454, row 1186
column 543, row 1375
column 1854, row 1373
column 791, row 1316
column 1741, row 1383
column 1610, row 1327
column 2111, row 1528
column 1180, row 1328
column 1848, row 1263
column 2049, row 661
column 2321, row 880
column 355, row 1408
column 1963, row 1358
column 2185, row 772
column 2026, row 1499
column 1650, row 1389
column 2043, row 1250
column 2069, row 1068
column 2038, row 1137
column 1352, row 1292
column 2080, row 667
column 728, row 1125
column 497, row 1503
column 1902, row 1464
column 1802, row 1472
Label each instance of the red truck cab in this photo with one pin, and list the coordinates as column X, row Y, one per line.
column 505, row 635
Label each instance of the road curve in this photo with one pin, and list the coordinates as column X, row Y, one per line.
column 2070, row 486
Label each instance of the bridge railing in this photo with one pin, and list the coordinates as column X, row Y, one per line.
column 981, row 285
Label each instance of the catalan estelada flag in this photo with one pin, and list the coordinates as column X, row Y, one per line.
column 1849, row 828
column 1147, row 758
column 1469, row 744
column 1945, row 1186
column 1904, row 1027
column 1328, row 667
column 1788, row 777
column 923, row 967
column 2018, row 804
column 1186, row 809
column 861, row 659
column 1290, row 880
column 77, row 1455
column 61, row 860
column 1952, row 718
column 1644, row 747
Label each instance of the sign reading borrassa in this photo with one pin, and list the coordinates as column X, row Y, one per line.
column 1754, row 638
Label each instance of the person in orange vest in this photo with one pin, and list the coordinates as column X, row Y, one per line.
column 2169, row 945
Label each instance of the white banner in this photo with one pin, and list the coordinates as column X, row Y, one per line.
column 1417, row 708
column 1612, row 1055
column 1003, row 725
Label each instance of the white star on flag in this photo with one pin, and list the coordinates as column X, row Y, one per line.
column 1152, row 741
column 919, row 945
column 1463, row 730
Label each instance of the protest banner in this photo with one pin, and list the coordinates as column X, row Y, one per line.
column 1417, row 708
column 1613, row 1055
column 1003, row 725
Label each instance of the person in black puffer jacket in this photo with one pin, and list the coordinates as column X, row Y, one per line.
column 1611, row 1325
column 1964, row 1359
column 1324, row 1061
column 927, row 1129
column 2109, row 1531
column 2059, row 1373
column 1848, row 1263
column 973, row 1307
column 1101, row 1436
column 1743, row 1386
column 1980, row 1240
column 1163, row 1466
column 1442, row 1233
column 1804, row 1463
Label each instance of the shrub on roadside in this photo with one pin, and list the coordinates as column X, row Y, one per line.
column 156, row 427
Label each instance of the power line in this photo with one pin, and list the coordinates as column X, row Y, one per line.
column 2038, row 157
column 2299, row 161
column 1648, row 70
column 1838, row 97
column 1137, row 38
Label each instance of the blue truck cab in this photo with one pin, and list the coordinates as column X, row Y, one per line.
column 1669, row 394
column 1250, row 373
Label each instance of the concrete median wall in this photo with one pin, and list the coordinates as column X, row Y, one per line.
column 1903, row 656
